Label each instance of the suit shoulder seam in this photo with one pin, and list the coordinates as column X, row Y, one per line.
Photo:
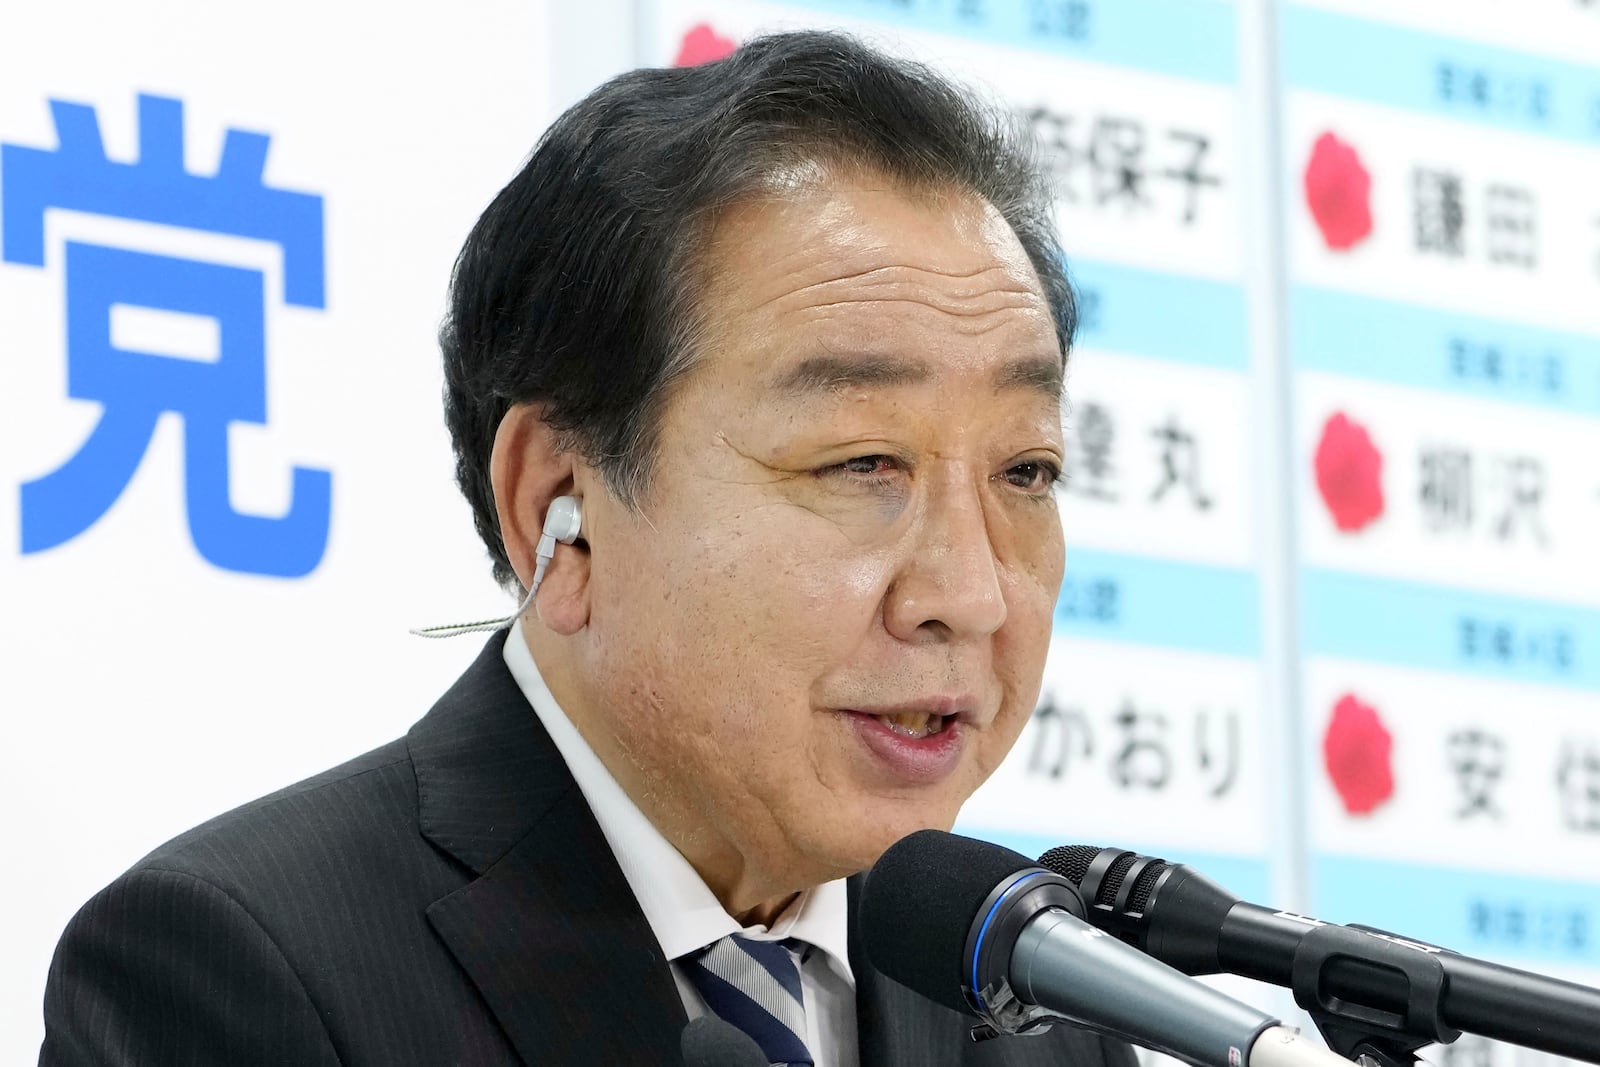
column 266, row 803
column 403, row 757
column 186, row 845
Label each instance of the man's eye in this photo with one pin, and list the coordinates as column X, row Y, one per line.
column 1035, row 476
column 868, row 465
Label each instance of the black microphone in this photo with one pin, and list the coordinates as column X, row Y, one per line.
column 713, row 1042
column 986, row 931
column 1377, row 979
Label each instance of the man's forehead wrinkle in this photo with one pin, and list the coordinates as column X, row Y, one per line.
column 948, row 289
column 923, row 269
column 963, row 321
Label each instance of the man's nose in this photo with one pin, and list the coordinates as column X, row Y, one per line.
column 950, row 586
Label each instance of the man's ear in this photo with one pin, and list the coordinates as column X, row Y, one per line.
column 527, row 471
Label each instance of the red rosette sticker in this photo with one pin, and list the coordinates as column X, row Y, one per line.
column 1349, row 472
column 1339, row 193
column 702, row 44
column 1356, row 753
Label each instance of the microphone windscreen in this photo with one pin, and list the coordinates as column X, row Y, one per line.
column 919, row 903
column 712, row 1042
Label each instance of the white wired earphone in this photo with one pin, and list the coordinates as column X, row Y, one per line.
column 563, row 523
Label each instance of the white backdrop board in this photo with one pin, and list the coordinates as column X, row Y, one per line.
column 188, row 621
column 1331, row 622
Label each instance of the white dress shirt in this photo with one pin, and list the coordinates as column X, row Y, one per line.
column 683, row 913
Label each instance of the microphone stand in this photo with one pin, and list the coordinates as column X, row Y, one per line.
column 1403, row 985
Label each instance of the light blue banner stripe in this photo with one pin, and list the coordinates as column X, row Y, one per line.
column 1345, row 333
column 1247, row 877
column 1439, row 628
column 1405, row 68
column 1148, row 601
column 1478, row 913
column 1154, row 313
column 1187, row 38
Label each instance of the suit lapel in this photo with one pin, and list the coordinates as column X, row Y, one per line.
column 555, row 942
column 549, row 931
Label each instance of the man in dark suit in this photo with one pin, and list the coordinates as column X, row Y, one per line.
column 754, row 377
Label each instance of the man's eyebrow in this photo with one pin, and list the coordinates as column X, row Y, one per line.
column 828, row 373
column 1037, row 375
column 820, row 374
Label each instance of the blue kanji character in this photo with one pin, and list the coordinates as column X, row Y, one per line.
column 1562, row 650
column 133, row 387
column 1480, row 919
column 1104, row 600
column 1577, row 932
column 1514, row 923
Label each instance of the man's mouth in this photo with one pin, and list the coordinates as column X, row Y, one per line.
column 914, row 724
column 919, row 743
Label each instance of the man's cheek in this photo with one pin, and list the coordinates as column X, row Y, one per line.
column 799, row 574
column 834, row 510
column 1032, row 590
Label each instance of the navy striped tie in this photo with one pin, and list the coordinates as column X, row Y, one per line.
column 755, row 985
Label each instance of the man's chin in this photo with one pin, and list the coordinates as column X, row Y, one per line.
column 899, row 821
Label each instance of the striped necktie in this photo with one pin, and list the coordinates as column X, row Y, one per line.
column 755, row 985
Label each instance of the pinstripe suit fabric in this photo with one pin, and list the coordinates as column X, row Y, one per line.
column 445, row 899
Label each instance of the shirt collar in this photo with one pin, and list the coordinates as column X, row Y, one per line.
column 682, row 912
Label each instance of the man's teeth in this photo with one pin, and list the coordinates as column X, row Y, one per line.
column 913, row 723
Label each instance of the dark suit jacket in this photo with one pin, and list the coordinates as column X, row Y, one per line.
column 445, row 899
